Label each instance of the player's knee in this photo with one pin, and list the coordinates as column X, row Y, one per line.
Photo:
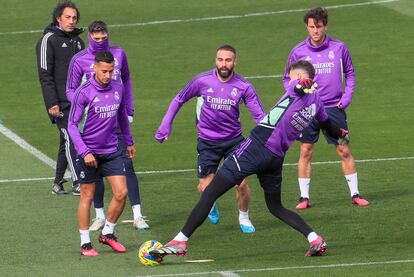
column 306, row 151
column 120, row 194
column 344, row 152
column 243, row 189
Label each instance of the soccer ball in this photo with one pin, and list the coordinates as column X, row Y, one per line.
column 144, row 256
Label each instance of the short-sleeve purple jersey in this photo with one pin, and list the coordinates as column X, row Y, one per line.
column 332, row 62
column 81, row 69
column 95, row 114
column 286, row 120
column 218, row 106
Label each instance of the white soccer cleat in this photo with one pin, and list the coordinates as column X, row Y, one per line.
column 140, row 224
column 97, row 224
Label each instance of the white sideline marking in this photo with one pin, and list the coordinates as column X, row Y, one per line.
column 264, row 77
column 26, row 146
column 190, row 169
column 284, row 268
column 229, row 274
column 157, row 22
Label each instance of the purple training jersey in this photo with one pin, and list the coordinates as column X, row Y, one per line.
column 286, row 120
column 95, row 114
column 332, row 61
column 81, row 69
column 218, row 106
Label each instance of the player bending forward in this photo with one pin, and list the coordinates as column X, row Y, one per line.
column 98, row 107
column 263, row 153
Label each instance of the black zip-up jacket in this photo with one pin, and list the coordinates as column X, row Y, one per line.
column 54, row 51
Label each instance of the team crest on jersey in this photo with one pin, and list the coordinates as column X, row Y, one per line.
column 234, row 92
column 308, row 58
column 79, row 46
column 116, row 95
column 116, row 62
column 331, row 55
column 82, row 175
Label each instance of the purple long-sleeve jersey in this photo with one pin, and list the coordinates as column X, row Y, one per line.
column 332, row 61
column 218, row 106
column 286, row 120
column 95, row 114
column 81, row 69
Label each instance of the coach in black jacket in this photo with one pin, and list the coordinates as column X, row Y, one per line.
column 59, row 43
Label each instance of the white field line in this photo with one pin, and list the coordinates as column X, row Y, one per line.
column 284, row 268
column 191, row 169
column 213, row 18
column 264, row 77
column 26, row 146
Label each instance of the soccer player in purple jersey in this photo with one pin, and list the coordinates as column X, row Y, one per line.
column 220, row 92
column 262, row 154
column 81, row 68
column 98, row 109
column 332, row 62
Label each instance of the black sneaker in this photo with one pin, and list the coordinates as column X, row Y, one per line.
column 58, row 189
column 76, row 190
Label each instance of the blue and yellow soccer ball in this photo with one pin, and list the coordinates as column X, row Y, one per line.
column 144, row 256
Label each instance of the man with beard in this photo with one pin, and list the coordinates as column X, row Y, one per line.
column 219, row 93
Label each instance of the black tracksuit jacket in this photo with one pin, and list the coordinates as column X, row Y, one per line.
column 54, row 51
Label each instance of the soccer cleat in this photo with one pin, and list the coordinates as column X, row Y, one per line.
column 303, row 203
column 358, row 200
column 76, row 189
column 58, row 189
column 97, row 224
column 246, row 226
column 111, row 240
column 140, row 224
column 214, row 214
column 87, row 250
column 317, row 247
column 174, row 247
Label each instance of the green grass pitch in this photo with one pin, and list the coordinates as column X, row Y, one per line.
column 39, row 231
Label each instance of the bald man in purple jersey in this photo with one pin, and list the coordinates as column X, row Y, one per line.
column 262, row 153
column 98, row 109
column 333, row 65
column 220, row 92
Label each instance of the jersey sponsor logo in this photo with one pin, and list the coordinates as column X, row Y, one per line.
column 210, row 90
column 331, row 55
column 324, row 67
column 300, row 120
column 107, row 111
column 218, row 103
column 64, row 45
column 234, row 92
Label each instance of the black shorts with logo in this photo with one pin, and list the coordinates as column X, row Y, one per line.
column 311, row 133
column 210, row 154
column 108, row 165
column 252, row 157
